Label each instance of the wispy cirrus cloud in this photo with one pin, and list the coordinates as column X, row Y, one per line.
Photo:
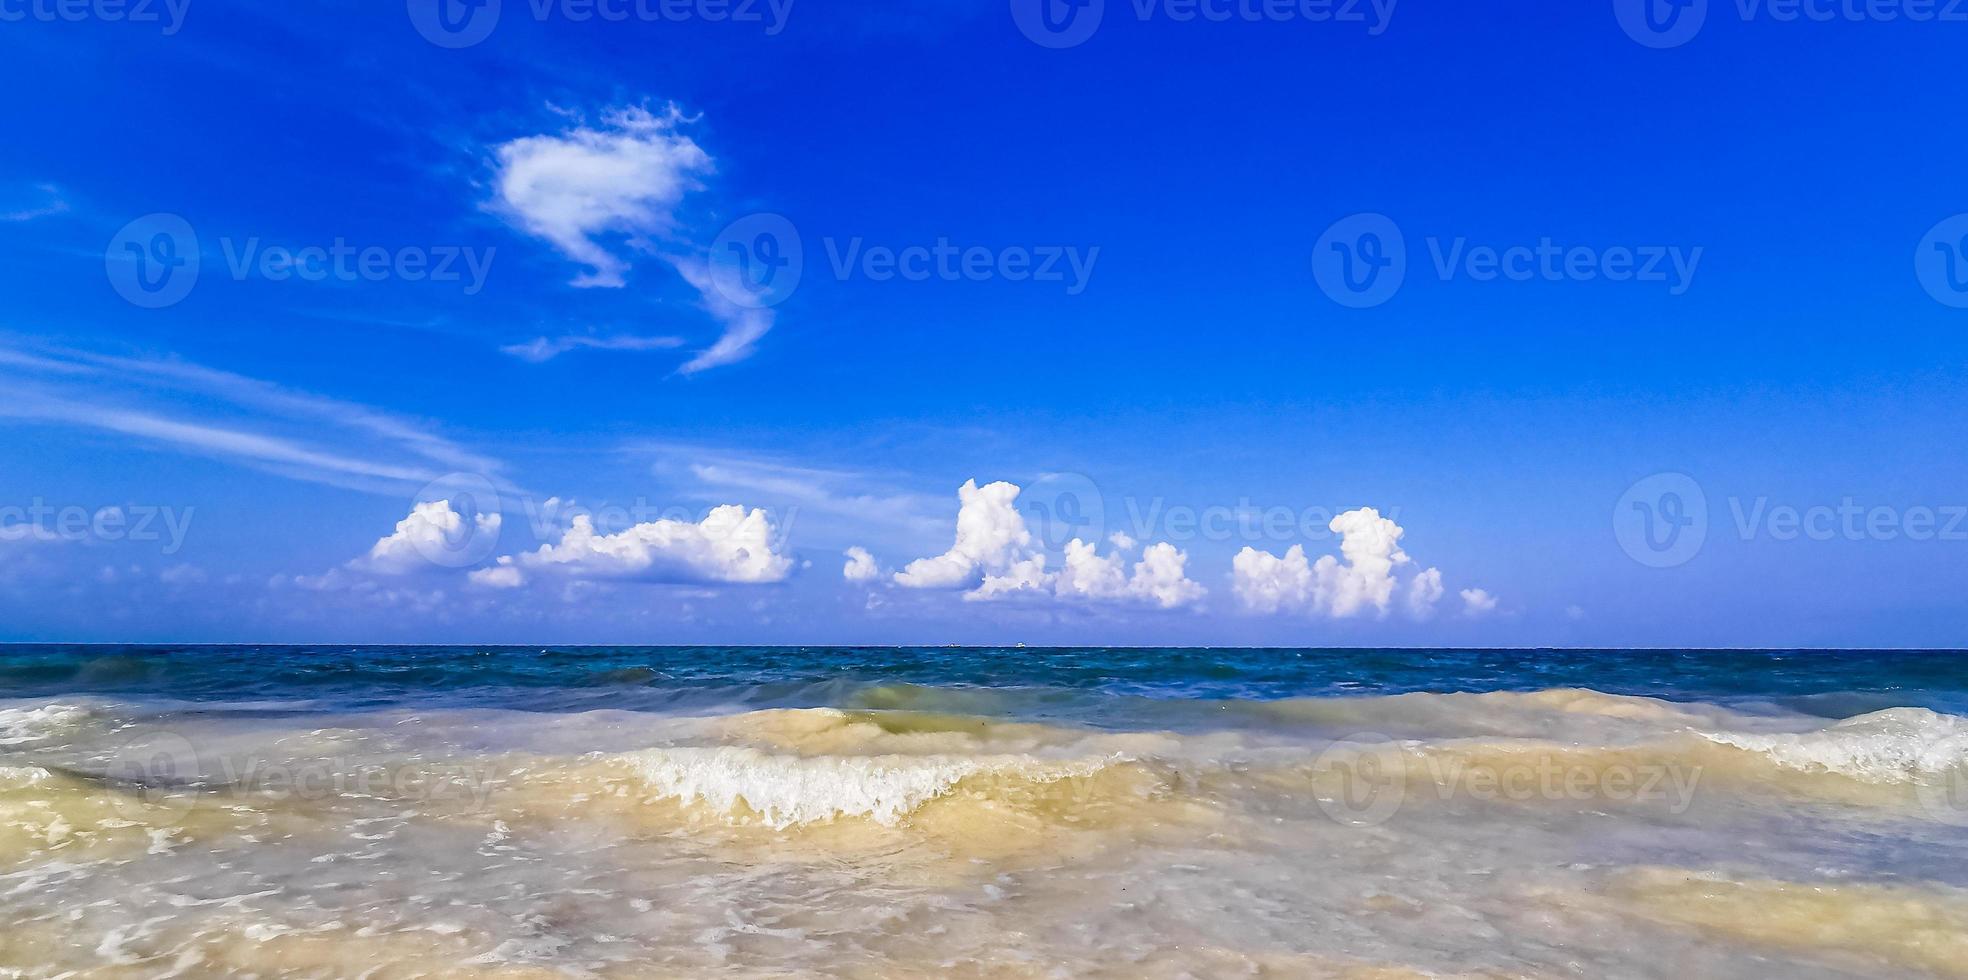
column 185, row 407
column 42, row 201
column 598, row 192
column 542, row 349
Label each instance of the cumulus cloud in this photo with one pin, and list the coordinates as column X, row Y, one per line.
column 422, row 540
column 1362, row 579
column 1476, row 602
column 996, row 557
column 860, row 566
column 582, row 189
column 730, row 545
column 991, row 537
column 1424, row 590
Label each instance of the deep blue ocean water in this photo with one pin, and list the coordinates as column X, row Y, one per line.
column 1037, row 682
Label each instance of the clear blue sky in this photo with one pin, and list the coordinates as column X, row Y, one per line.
column 1127, row 298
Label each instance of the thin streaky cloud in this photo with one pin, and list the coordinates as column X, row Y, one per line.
column 543, row 349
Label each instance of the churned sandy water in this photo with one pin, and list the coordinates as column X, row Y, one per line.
column 913, row 829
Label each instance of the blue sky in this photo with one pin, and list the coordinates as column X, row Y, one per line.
column 1713, row 396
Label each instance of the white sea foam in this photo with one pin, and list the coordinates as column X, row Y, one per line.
column 788, row 790
column 16, row 776
column 1895, row 745
column 22, row 725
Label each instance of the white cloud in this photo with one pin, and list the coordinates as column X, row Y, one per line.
column 327, row 440
column 1424, row 590
column 1026, row 577
column 995, row 556
column 625, row 178
column 860, row 566
column 743, row 324
column 500, row 576
column 1159, row 577
column 730, row 544
column 424, row 539
column 543, row 349
column 182, row 575
column 49, row 203
column 1370, row 544
column 991, row 537
column 1476, row 602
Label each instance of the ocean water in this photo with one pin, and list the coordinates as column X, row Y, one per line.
column 684, row 812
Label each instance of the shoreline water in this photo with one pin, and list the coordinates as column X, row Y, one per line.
column 460, row 811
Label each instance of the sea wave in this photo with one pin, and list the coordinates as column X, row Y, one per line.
column 1894, row 745
column 788, row 790
column 19, row 726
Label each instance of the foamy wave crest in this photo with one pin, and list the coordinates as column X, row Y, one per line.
column 12, row 777
column 22, row 725
column 1895, row 745
column 790, row 790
